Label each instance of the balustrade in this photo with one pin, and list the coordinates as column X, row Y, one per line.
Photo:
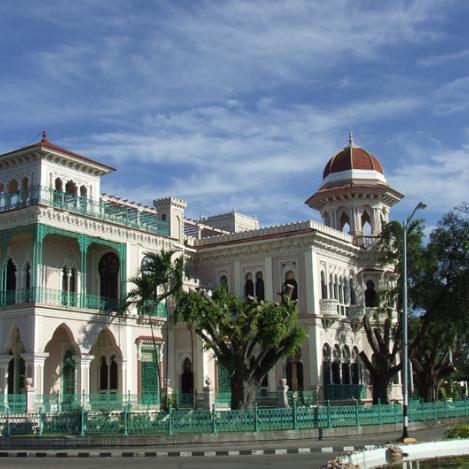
column 66, row 299
column 101, row 209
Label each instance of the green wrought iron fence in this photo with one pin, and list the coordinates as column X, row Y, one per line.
column 343, row 392
column 114, row 415
column 102, row 209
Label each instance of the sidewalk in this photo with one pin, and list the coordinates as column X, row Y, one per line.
column 334, row 445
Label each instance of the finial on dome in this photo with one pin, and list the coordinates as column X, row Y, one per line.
column 350, row 136
column 44, row 137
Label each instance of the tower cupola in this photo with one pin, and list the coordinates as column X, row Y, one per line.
column 354, row 195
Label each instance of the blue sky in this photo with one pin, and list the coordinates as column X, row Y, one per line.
column 240, row 104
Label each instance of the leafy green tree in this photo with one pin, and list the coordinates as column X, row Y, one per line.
column 248, row 337
column 439, row 344
column 159, row 280
column 430, row 354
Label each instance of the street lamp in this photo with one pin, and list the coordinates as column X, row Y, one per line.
column 405, row 357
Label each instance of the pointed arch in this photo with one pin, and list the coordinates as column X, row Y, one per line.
column 366, row 223
column 105, row 368
column 344, row 221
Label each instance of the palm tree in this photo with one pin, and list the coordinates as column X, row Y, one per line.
column 159, row 280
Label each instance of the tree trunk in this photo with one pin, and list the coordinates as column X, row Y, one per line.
column 243, row 392
column 380, row 389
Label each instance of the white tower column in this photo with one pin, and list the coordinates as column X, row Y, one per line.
column 83, row 363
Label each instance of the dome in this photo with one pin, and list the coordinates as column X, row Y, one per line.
column 352, row 158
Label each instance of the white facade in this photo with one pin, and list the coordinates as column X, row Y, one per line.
column 67, row 252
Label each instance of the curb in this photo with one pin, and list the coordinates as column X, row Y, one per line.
column 180, row 454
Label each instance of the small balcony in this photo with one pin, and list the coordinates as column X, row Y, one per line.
column 329, row 307
column 365, row 241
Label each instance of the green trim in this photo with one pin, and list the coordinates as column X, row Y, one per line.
column 102, row 210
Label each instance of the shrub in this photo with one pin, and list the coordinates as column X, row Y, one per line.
column 458, row 431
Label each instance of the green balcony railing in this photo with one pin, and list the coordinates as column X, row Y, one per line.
column 104, row 210
column 152, row 309
column 68, row 299
column 57, row 298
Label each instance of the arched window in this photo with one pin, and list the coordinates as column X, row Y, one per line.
column 260, row 293
column 341, row 291
column 27, row 276
column 248, row 286
column 11, row 275
column 331, row 287
column 11, row 376
column 346, row 370
column 356, row 378
column 68, row 374
column 163, row 217
column 294, row 371
column 187, row 377
column 13, row 186
column 323, row 286
column 326, row 364
column 27, row 282
column 371, row 297
column 73, row 280
column 336, row 365
column 344, row 223
column 11, row 282
column 290, row 280
column 113, row 375
column 335, row 288
column 353, row 296
column 224, row 282
column 366, row 223
column 109, row 276
column 59, row 185
column 71, row 188
column 103, row 374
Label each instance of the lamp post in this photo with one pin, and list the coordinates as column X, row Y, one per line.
column 405, row 355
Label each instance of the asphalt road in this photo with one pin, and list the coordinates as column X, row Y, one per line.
column 298, row 461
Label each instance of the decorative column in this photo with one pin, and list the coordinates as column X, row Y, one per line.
column 34, row 366
column 268, row 280
column 237, row 284
column 82, row 364
column 4, row 361
column 122, row 382
column 3, row 265
column 122, row 249
column 38, row 241
column 376, row 221
column 84, row 242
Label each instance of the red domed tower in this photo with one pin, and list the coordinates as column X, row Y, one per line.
column 354, row 194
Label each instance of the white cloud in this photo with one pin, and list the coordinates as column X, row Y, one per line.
column 452, row 97
column 434, row 173
column 443, row 58
column 229, row 155
column 127, row 59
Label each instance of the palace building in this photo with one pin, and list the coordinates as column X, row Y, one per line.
column 67, row 251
